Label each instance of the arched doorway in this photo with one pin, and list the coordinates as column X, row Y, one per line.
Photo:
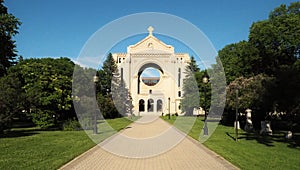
column 141, row 105
column 159, row 105
column 147, row 81
column 150, row 107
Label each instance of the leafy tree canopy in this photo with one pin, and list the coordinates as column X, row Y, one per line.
column 9, row 25
column 46, row 85
column 278, row 38
column 267, row 65
column 240, row 59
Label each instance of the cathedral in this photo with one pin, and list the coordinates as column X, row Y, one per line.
column 154, row 74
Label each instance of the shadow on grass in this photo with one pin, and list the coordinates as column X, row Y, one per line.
column 228, row 134
column 19, row 133
column 268, row 140
column 295, row 143
column 262, row 139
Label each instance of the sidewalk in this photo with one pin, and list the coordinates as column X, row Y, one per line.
column 149, row 143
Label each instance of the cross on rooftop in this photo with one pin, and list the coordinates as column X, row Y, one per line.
column 150, row 29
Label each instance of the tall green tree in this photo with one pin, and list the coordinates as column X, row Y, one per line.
column 218, row 89
column 107, row 72
column 120, row 95
column 10, row 100
column 190, row 98
column 84, row 97
column 47, row 87
column 204, row 100
column 9, row 25
column 113, row 97
column 270, row 56
column 288, row 91
column 193, row 65
column 278, row 42
column 278, row 38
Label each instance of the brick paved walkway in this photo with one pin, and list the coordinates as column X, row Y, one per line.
column 149, row 144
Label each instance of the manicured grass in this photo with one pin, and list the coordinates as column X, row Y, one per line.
column 251, row 151
column 120, row 123
column 32, row 148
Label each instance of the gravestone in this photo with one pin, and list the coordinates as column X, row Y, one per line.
column 248, row 126
column 198, row 112
column 266, row 128
column 288, row 135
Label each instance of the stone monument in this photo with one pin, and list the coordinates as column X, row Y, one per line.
column 266, row 128
column 248, row 126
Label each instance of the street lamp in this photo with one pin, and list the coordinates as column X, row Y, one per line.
column 169, row 108
column 95, row 79
column 205, row 80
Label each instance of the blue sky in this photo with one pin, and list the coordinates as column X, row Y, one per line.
column 54, row 28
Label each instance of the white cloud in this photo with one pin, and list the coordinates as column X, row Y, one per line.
column 150, row 72
column 90, row 62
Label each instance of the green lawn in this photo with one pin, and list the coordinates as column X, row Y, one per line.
column 32, row 148
column 252, row 151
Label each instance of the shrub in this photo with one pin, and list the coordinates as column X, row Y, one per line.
column 71, row 125
column 86, row 123
column 43, row 119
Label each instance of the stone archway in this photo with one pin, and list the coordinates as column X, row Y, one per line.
column 141, row 105
column 159, row 105
column 144, row 67
column 150, row 105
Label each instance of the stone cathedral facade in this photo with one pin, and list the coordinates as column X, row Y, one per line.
column 156, row 94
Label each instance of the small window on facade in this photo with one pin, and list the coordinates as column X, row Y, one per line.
column 179, row 76
column 179, row 93
column 119, row 60
column 150, row 91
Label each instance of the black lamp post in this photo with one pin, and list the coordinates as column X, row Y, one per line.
column 205, row 80
column 169, row 108
column 95, row 130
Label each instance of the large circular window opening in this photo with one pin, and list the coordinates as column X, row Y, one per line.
column 150, row 76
